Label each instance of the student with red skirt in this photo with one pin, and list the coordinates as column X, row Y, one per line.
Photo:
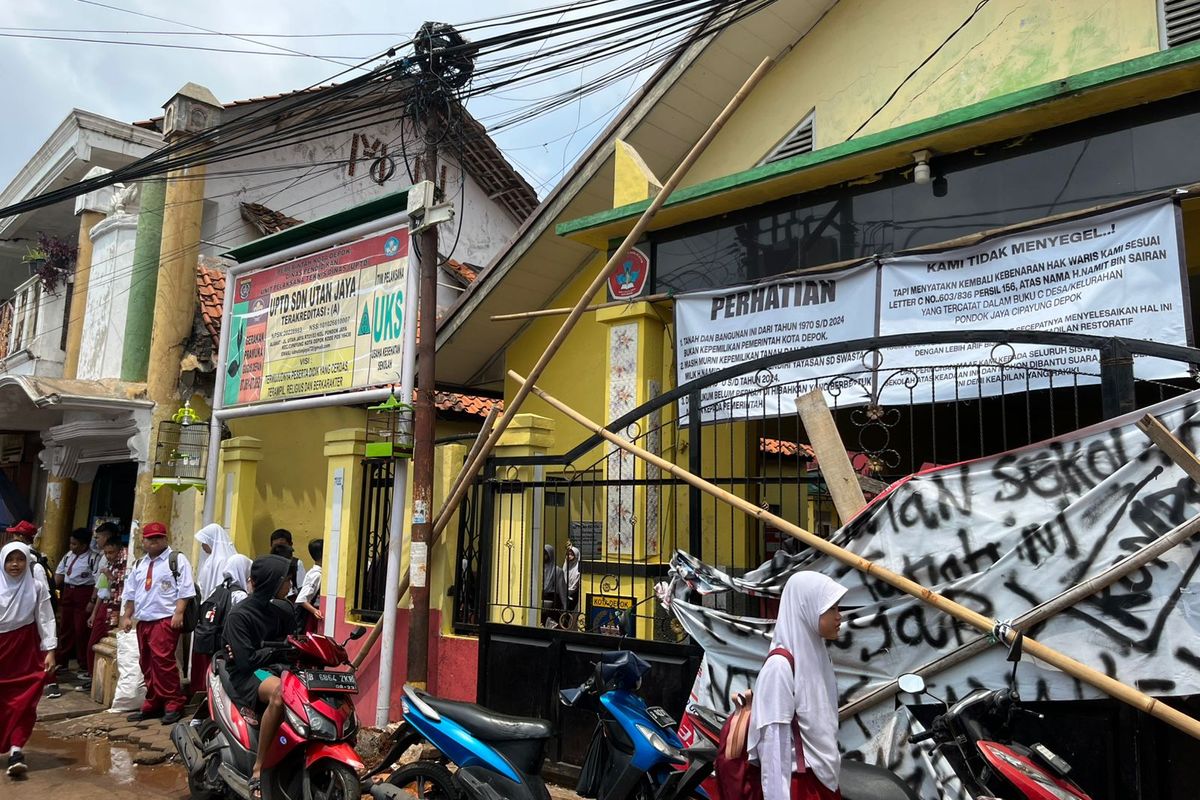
column 76, row 581
column 27, row 645
column 155, row 599
column 794, row 716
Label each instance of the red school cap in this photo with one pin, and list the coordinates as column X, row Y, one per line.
column 153, row 529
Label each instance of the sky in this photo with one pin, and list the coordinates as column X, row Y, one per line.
column 49, row 77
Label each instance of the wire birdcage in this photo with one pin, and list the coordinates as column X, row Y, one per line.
column 390, row 429
column 181, row 456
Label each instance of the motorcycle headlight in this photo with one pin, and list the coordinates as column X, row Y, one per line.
column 298, row 725
column 322, row 727
column 660, row 744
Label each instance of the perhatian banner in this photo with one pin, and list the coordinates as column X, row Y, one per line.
column 324, row 323
column 1000, row 535
column 1119, row 273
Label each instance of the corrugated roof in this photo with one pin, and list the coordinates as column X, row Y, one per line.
column 266, row 221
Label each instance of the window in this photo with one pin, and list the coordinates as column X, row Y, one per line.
column 1180, row 21
column 800, row 140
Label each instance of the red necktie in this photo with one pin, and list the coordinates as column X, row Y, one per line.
column 150, row 575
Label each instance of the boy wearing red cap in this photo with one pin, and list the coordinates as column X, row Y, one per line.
column 156, row 597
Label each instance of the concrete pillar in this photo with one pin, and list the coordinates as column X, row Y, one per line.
column 516, row 556
column 57, row 516
column 91, row 208
column 443, row 558
column 191, row 111
column 135, row 353
column 238, row 487
column 344, row 452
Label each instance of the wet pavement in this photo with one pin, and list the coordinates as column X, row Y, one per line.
column 91, row 767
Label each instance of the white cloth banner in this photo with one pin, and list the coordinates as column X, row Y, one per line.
column 725, row 328
column 1000, row 535
column 1119, row 273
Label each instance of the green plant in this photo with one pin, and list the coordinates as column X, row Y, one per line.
column 52, row 261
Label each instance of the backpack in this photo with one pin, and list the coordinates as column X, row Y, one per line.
column 206, row 639
column 736, row 776
column 191, row 611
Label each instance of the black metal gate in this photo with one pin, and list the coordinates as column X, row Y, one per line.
column 375, row 503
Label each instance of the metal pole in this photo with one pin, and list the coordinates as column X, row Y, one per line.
column 391, row 591
column 696, row 467
column 423, row 434
column 1116, row 379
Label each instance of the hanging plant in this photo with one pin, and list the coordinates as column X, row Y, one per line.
column 51, row 261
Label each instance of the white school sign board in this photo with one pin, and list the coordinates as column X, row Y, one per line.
column 1119, row 273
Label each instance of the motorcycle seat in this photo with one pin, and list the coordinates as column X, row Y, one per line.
column 861, row 781
column 489, row 725
column 250, row 715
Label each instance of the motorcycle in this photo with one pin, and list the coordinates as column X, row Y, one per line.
column 498, row 757
column 976, row 736
column 313, row 756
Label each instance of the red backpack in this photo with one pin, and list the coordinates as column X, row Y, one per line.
column 737, row 778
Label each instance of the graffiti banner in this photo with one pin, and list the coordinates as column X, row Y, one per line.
column 1000, row 535
column 324, row 323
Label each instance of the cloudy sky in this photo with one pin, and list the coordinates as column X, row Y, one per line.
column 46, row 77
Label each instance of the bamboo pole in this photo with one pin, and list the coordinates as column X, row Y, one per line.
column 512, row 406
column 558, row 312
column 369, row 644
column 826, row 442
column 1184, row 458
column 1065, row 663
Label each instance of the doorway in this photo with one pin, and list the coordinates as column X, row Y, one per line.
column 112, row 495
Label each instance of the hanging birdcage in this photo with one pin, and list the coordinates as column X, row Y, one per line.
column 181, row 457
column 390, row 429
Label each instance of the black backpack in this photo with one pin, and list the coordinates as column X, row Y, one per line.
column 191, row 611
column 206, row 639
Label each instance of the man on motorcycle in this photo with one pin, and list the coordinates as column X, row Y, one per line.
column 263, row 617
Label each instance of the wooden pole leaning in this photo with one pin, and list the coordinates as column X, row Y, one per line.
column 511, row 407
column 1076, row 669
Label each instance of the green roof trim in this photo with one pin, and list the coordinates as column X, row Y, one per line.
column 993, row 107
column 306, row 232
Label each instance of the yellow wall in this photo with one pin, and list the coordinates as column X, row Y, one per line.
column 862, row 50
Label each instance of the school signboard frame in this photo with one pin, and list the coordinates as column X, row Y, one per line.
column 332, row 321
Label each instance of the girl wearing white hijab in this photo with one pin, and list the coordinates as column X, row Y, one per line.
column 237, row 571
column 800, row 699
column 571, row 570
column 218, row 549
column 28, row 640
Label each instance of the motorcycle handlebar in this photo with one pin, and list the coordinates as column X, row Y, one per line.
column 914, row 738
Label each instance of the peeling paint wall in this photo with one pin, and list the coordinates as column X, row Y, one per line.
column 103, row 326
column 862, row 51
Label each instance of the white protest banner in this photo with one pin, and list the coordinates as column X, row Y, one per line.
column 1114, row 274
column 722, row 328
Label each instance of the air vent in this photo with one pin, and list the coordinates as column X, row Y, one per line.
column 799, row 141
column 1180, row 21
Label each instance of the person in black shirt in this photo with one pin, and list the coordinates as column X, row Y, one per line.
column 264, row 616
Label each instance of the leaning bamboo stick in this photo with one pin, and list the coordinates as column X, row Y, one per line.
column 826, row 442
column 1184, row 458
column 1099, row 680
column 369, row 644
column 559, row 312
column 512, row 406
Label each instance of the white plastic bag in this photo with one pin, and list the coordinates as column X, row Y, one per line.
column 131, row 691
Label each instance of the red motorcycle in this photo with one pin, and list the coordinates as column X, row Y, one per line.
column 313, row 755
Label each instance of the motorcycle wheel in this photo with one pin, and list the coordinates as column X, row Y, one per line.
column 425, row 779
column 333, row 781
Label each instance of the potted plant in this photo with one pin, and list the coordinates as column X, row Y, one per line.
column 51, row 261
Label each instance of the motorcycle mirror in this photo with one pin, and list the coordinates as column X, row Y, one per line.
column 358, row 633
column 911, row 683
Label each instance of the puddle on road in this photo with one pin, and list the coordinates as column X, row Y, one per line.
column 84, row 763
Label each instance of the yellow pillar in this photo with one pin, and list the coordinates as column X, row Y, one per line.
column 516, row 553
column 238, row 487
column 57, row 516
column 344, row 452
column 443, row 557
column 91, row 209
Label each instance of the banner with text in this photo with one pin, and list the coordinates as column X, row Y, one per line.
column 1119, row 273
column 721, row 329
column 1114, row 274
column 324, row 323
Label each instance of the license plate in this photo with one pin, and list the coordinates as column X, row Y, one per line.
column 330, row 681
column 661, row 717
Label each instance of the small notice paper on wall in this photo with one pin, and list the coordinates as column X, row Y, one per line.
column 418, row 564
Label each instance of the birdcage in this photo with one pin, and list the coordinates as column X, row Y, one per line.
column 390, row 429
column 181, row 457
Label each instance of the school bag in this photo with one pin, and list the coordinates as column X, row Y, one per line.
column 737, row 778
column 191, row 611
column 206, row 639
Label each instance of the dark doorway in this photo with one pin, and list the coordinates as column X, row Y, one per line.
column 112, row 495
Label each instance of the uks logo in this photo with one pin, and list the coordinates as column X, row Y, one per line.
column 629, row 278
column 383, row 319
column 392, row 246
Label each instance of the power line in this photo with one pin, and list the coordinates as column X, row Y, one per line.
column 165, row 45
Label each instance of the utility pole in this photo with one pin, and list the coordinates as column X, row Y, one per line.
column 424, row 425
